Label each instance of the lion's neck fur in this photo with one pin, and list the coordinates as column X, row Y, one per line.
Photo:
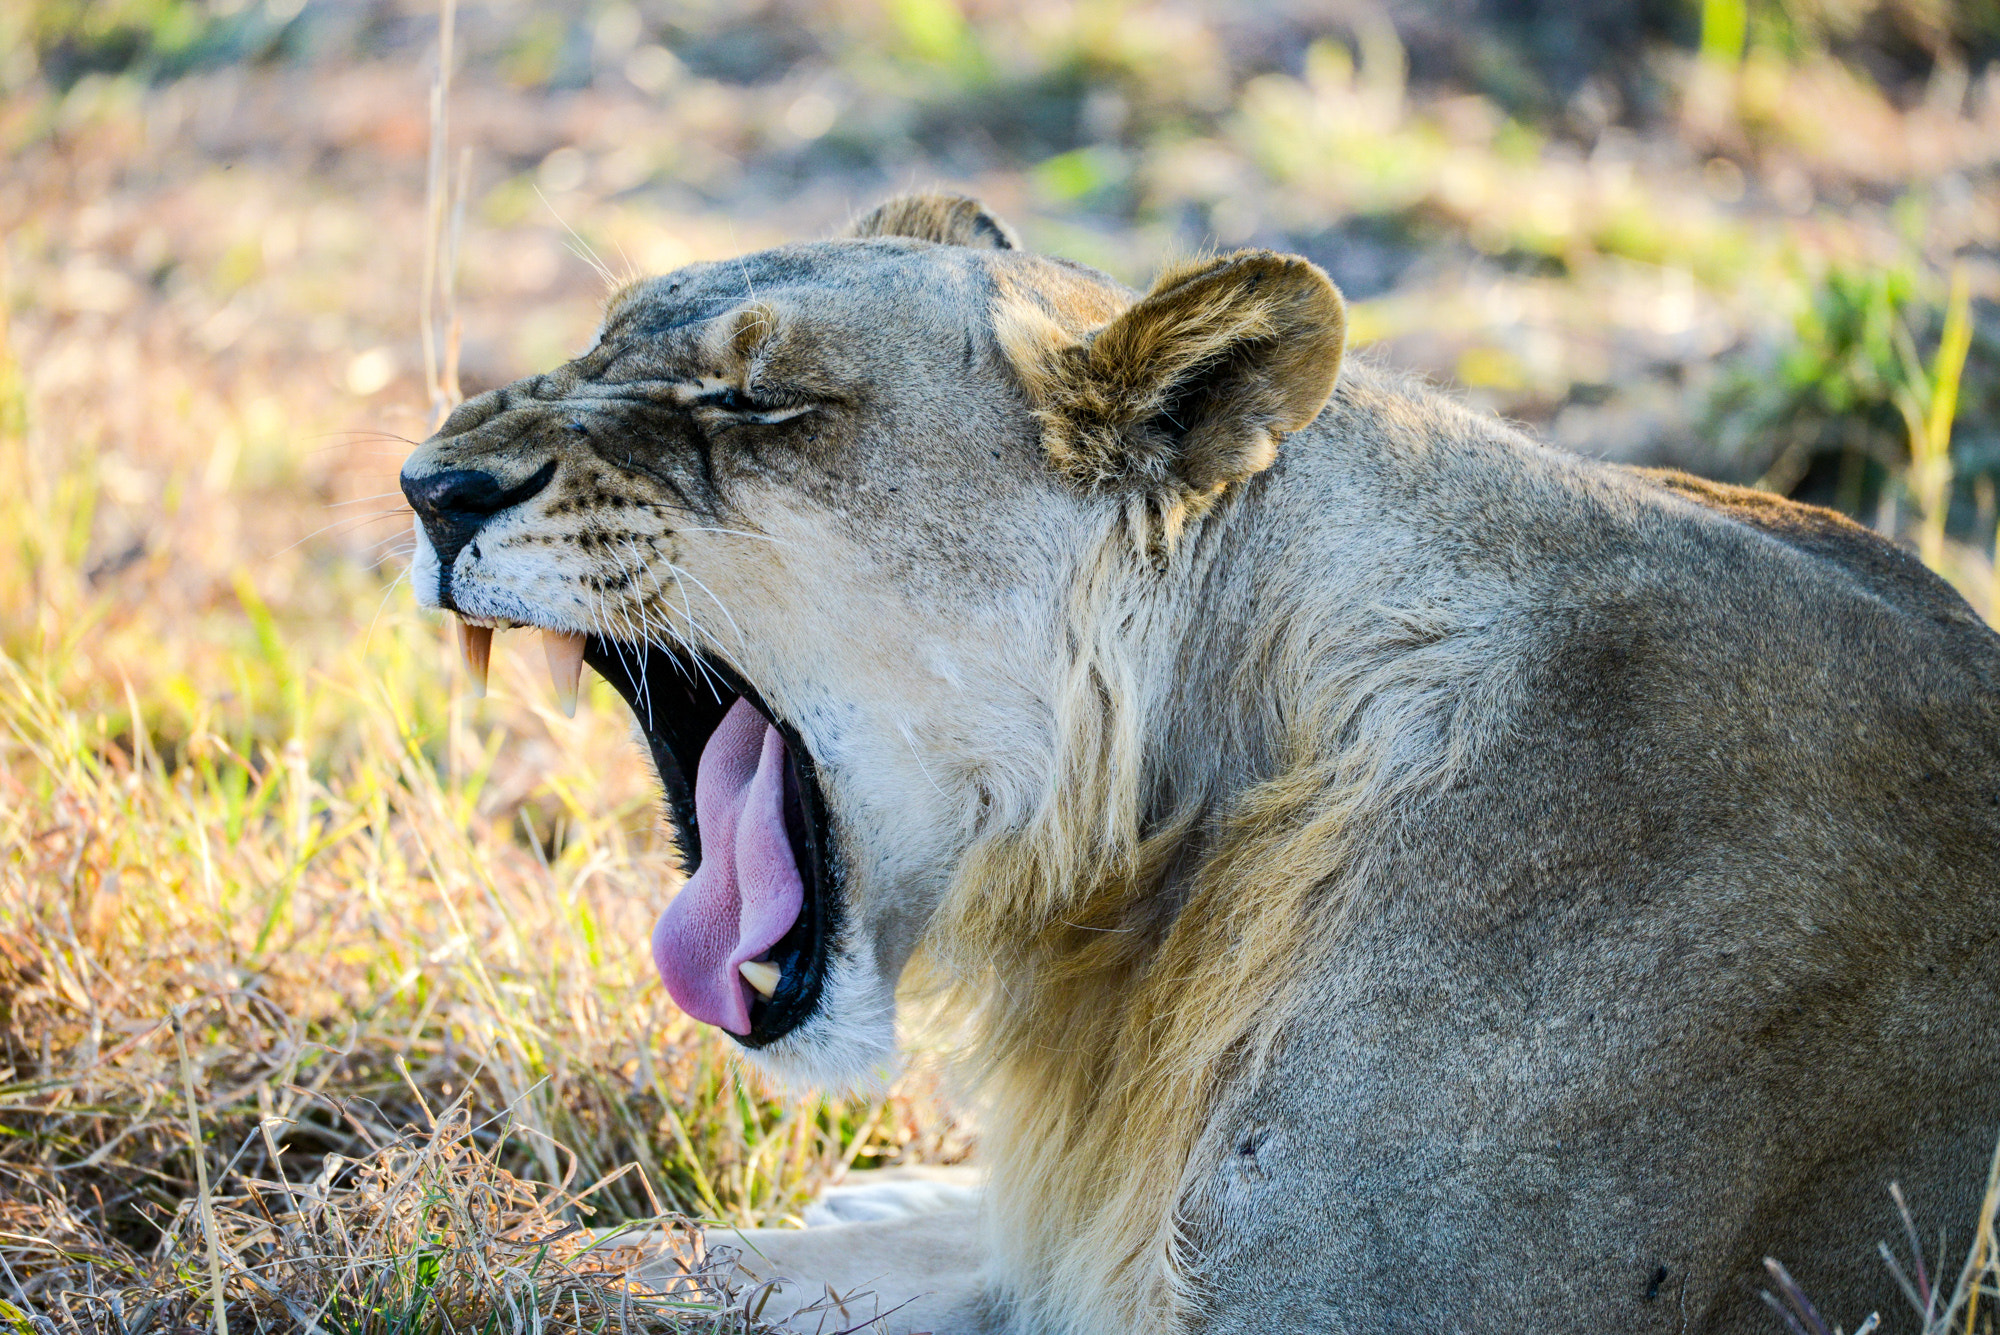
column 1223, row 769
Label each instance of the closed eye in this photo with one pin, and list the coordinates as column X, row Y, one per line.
column 731, row 400
column 744, row 409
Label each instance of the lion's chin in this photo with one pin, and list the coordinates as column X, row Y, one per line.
column 752, row 951
column 847, row 1045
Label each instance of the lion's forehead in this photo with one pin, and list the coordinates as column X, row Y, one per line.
column 892, row 288
column 828, row 280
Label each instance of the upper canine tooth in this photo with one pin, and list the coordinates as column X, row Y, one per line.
column 764, row 977
column 565, row 655
column 475, row 646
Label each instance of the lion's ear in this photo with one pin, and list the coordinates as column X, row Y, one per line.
column 1189, row 390
column 949, row 220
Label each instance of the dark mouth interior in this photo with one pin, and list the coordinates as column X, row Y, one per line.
column 679, row 699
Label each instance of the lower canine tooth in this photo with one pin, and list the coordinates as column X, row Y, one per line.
column 764, row 977
column 475, row 646
column 565, row 655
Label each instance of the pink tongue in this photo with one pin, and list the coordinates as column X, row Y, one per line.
column 747, row 893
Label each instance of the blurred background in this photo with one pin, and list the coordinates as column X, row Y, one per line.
column 240, row 779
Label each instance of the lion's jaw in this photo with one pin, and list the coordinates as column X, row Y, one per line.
column 710, row 558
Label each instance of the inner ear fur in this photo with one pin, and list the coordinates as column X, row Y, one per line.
column 1189, row 390
column 949, row 220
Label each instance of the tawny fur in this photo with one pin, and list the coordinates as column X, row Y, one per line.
column 1157, row 733
column 949, row 220
column 1056, row 940
column 1187, row 391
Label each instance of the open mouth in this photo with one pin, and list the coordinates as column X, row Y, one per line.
column 745, row 944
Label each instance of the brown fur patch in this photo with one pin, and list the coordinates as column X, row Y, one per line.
column 1189, row 390
column 949, row 220
column 755, row 324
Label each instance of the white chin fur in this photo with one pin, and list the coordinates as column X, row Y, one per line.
column 424, row 568
column 849, row 1044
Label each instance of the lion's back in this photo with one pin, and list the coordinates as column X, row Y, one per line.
column 1766, row 796
column 1696, row 953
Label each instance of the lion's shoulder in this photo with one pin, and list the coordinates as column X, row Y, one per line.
column 1859, row 555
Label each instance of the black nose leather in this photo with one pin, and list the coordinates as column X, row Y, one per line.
column 453, row 505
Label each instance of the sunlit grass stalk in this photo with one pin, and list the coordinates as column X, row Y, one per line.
column 1725, row 28
column 204, row 1200
column 1993, row 581
column 444, row 224
column 1981, row 1265
column 1929, row 410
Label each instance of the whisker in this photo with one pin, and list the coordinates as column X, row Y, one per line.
column 687, row 615
column 910, row 740
column 400, row 535
column 346, row 524
column 717, row 687
column 743, row 264
column 618, row 647
column 632, row 271
column 357, row 438
column 367, row 639
column 587, row 255
column 645, row 636
column 364, row 432
column 739, row 533
column 688, row 652
column 717, row 601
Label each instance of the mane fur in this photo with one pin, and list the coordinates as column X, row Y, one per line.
column 1122, row 956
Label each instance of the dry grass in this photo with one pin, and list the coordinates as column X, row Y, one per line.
column 403, row 933
column 429, row 1232
column 1938, row 1308
column 353, row 897
column 426, row 1233
column 273, row 886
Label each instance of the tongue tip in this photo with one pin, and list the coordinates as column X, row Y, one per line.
column 710, row 1010
column 738, row 1025
column 724, row 1007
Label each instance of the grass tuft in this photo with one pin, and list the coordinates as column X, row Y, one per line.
column 239, row 784
column 428, row 1233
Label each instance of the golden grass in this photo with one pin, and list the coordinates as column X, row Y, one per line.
column 331, row 873
column 342, row 917
column 403, row 934
column 244, row 797
column 429, row 1232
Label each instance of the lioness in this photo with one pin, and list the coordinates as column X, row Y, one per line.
column 1388, row 875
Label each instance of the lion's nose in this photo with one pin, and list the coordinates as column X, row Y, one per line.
column 452, row 505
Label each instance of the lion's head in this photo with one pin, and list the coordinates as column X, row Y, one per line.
column 824, row 515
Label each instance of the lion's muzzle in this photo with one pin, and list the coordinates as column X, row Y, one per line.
column 453, row 506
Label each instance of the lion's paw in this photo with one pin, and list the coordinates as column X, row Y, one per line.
column 895, row 1193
